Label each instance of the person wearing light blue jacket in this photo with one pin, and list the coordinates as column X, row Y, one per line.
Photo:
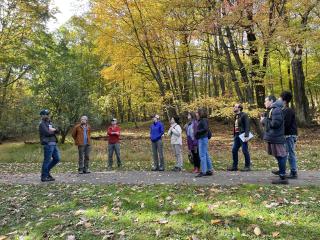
column 156, row 133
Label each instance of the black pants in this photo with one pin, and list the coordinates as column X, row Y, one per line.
column 196, row 158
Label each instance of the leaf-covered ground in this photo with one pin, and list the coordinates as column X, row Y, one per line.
column 158, row 212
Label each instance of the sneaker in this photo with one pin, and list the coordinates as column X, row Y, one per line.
column 109, row 168
column 201, row 175
column 154, row 169
column 232, row 169
column 275, row 172
column 86, row 171
column 196, row 170
column 176, row 169
column 209, row 173
column 47, row 179
column 50, row 176
column 293, row 175
column 280, row 181
column 161, row 169
column 80, row 172
column 246, row 169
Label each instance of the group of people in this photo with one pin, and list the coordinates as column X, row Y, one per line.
column 280, row 135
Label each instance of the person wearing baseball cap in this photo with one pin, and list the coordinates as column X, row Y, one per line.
column 49, row 141
column 156, row 133
column 113, row 143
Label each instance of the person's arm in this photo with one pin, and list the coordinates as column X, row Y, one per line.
column 161, row 129
column 202, row 127
column 276, row 119
column 246, row 122
column 176, row 130
column 74, row 133
column 117, row 131
column 109, row 131
column 45, row 130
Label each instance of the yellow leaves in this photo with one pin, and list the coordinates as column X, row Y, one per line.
column 242, row 213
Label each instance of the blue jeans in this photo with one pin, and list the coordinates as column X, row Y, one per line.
column 205, row 160
column 51, row 158
column 237, row 143
column 290, row 146
column 282, row 165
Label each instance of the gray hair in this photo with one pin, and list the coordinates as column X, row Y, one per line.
column 85, row 117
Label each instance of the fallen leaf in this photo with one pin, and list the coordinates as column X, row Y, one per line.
column 242, row 213
column 87, row 224
column 174, row 212
column 275, row 234
column 257, row 231
column 158, row 232
column 79, row 212
column 216, row 221
column 71, row 237
column 122, row 233
column 163, row 221
column 194, row 238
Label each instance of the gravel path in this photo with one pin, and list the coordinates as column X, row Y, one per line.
column 170, row 178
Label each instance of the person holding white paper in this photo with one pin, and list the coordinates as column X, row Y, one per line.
column 241, row 125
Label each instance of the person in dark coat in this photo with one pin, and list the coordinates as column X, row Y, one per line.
column 273, row 123
column 49, row 142
column 203, row 135
column 241, row 125
column 290, row 133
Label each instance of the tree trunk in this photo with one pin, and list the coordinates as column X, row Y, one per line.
column 301, row 100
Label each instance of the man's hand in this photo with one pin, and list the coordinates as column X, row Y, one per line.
column 246, row 139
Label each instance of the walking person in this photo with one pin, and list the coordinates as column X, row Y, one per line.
column 81, row 134
column 175, row 133
column 274, row 135
column 290, row 133
column 113, row 143
column 241, row 125
column 203, row 135
column 49, row 142
column 191, row 129
column 156, row 133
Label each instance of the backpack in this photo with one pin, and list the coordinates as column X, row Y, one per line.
column 209, row 133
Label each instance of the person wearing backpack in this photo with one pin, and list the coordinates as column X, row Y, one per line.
column 241, row 125
column 175, row 133
column 191, row 129
column 203, row 135
column 273, row 122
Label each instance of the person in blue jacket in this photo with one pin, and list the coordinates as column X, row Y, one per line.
column 156, row 133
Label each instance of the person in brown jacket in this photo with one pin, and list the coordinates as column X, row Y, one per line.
column 81, row 136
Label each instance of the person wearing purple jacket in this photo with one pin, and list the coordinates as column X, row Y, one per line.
column 156, row 132
column 191, row 129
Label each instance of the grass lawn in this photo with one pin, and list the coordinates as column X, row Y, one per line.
column 159, row 212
